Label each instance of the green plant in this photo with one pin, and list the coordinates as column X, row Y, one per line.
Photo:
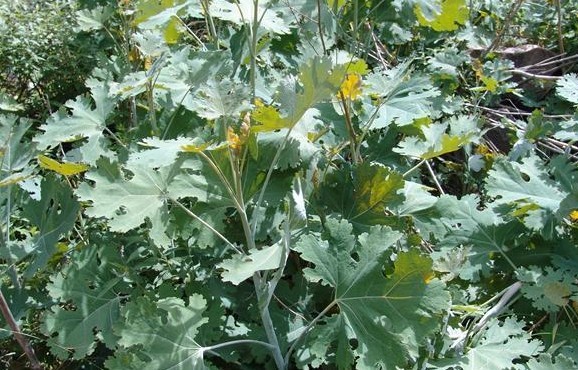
column 272, row 178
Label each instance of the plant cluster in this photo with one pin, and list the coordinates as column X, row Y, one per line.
column 296, row 185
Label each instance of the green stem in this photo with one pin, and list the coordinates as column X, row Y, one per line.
column 306, row 330
column 206, row 224
column 237, row 342
column 267, row 179
column 253, row 46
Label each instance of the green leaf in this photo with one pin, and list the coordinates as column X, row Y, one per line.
column 549, row 289
column 243, row 13
column 163, row 332
column 318, row 80
column 526, row 187
column 386, row 314
column 501, row 344
column 434, row 140
column 401, row 97
column 363, row 194
column 93, row 19
column 567, row 87
column 160, row 14
column 54, row 215
column 220, row 98
column 128, row 203
column 241, row 267
column 83, row 123
column 89, row 288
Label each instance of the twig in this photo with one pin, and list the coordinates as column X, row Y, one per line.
column 435, row 179
column 559, row 26
column 531, row 75
column 505, row 26
column 21, row 339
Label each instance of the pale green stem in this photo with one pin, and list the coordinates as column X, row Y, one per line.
column 222, row 178
column 254, row 41
column 434, row 177
column 237, row 342
column 206, row 224
column 413, row 168
column 306, row 330
column 209, row 20
column 267, row 179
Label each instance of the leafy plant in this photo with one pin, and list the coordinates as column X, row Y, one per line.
column 260, row 184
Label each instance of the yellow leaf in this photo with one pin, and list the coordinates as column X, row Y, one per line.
column 574, row 215
column 66, row 169
column 194, row 148
column 491, row 83
column 351, row 87
column 453, row 14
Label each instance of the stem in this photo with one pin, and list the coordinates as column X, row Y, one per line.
column 306, row 330
column 435, row 179
column 413, row 168
column 504, row 27
column 21, row 339
column 237, row 342
column 209, row 20
column 267, row 179
column 559, row 26
column 151, row 106
column 253, row 46
column 206, row 224
column 263, row 292
column 320, row 29
column 352, row 135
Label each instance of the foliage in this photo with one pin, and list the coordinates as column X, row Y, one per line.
column 259, row 184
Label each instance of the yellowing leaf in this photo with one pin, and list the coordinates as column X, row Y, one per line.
column 66, row 169
column 453, row 13
column 234, row 141
column 194, row 148
column 491, row 84
column 268, row 119
column 574, row 215
column 351, row 87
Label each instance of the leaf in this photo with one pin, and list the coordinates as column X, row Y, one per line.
column 15, row 150
column 66, row 169
column 241, row 267
column 453, row 14
column 567, row 87
column 92, row 19
column 84, row 123
column 162, row 14
column 319, row 80
column 527, row 188
column 501, row 346
column 220, row 98
column 385, row 314
column 436, row 141
column 164, row 332
column 401, row 98
column 486, row 234
column 53, row 215
column 363, row 194
column 88, row 286
column 549, row 289
column 243, row 13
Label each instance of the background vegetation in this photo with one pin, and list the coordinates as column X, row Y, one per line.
column 195, row 184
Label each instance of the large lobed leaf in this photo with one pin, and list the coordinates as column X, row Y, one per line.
column 164, row 333
column 91, row 291
column 389, row 316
